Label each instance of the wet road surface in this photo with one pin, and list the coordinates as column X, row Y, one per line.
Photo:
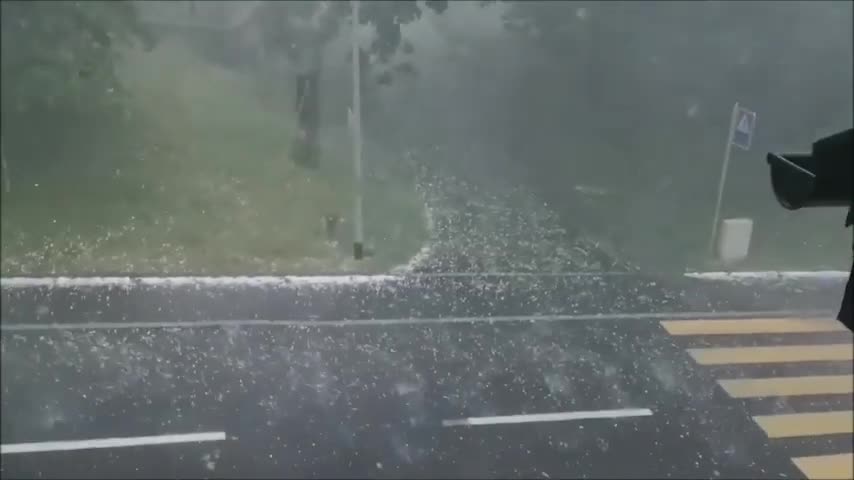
column 336, row 393
column 371, row 401
column 187, row 299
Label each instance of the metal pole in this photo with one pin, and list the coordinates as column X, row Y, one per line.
column 727, row 152
column 358, row 237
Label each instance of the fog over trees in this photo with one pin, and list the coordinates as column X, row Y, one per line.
column 213, row 137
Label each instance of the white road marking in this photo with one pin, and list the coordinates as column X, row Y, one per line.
column 264, row 280
column 771, row 275
column 178, row 281
column 325, row 280
column 117, row 442
column 548, row 417
column 378, row 322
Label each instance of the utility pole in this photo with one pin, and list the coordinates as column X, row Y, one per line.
column 358, row 234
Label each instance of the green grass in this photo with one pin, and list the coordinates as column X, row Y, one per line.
column 811, row 239
column 203, row 186
column 661, row 219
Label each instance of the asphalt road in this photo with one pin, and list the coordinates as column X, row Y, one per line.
column 188, row 299
column 370, row 401
column 375, row 378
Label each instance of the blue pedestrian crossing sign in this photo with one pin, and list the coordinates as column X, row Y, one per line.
column 743, row 127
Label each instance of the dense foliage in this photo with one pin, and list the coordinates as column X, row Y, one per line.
column 62, row 54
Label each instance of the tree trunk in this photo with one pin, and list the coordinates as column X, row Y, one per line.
column 305, row 147
column 7, row 181
column 306, row 151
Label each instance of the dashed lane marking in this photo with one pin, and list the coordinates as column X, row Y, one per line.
column 116, row 442
column 548, row 417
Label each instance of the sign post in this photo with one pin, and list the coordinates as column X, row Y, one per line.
column 741, row 126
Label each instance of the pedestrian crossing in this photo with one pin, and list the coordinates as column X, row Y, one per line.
column 738, row 351
column 787, row 386
column 772, row 354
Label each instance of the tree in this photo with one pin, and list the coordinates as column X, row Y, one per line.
column 57, row 53
column 57, row 66
column 302, row 29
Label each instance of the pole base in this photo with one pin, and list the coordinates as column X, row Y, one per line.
column 358, row 250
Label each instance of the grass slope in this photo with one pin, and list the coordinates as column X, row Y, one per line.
column 203, row 185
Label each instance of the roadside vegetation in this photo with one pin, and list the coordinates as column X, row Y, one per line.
column 150, row 159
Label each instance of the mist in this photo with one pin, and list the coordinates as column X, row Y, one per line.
column 216, row 137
